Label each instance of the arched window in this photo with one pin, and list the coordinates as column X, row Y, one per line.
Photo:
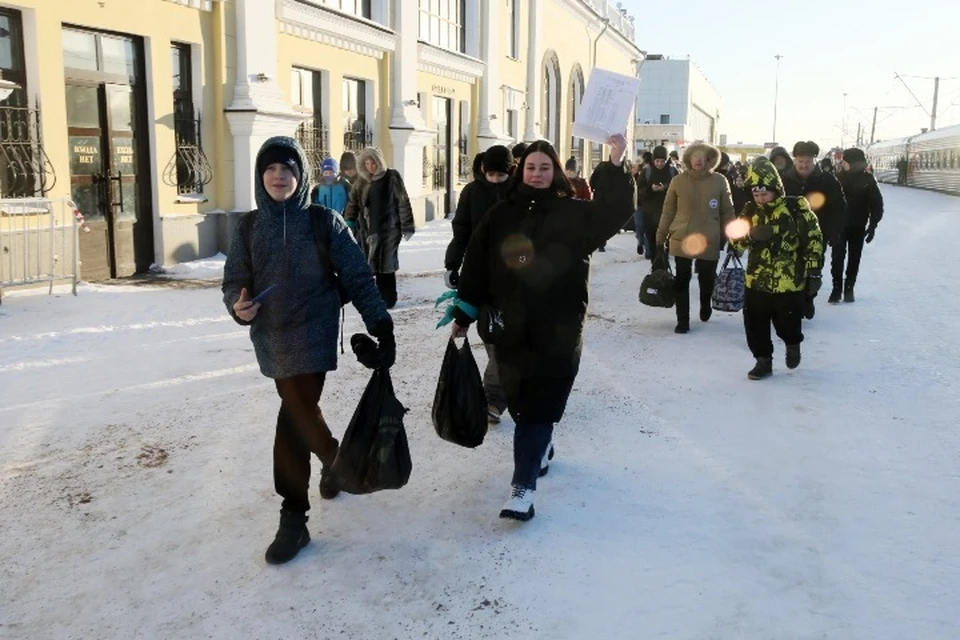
column 550, row 107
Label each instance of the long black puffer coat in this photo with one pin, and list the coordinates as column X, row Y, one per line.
column 530, row 259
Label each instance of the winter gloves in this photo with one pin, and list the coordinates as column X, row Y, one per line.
column 451, row 279
column 871, row 230
column 376, row 355
column 761, row 233
column 814, row 282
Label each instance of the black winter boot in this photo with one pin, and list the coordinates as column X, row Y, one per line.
column 836, row 292
column 706, row 310
column 763, row 369
column 848, row 291
column 793, row 356
column 291, row 537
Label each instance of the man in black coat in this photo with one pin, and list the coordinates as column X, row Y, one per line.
column 656, row 179
column 824, row 193
column 864, row 211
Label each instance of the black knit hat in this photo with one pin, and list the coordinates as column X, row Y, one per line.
column 808, row 149
column 348, row 161
column 571, row 164
column 518, row 150
column 497, row 158
column 660, row 152
column 854, row 155
column 279, row 155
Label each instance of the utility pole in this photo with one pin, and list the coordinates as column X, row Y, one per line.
column 843, row 121
column 776, row 95
column 933, row 113
column 858, row 133
column 873, row 127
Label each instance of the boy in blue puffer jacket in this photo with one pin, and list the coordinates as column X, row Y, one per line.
column 294, row 328
column 333, row 191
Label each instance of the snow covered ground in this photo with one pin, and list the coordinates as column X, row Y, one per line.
column 685, row 502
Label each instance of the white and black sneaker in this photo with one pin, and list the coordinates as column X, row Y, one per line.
column 493, row 414
column 545, row 460
column 520, row 504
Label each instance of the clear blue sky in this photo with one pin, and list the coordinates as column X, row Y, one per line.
column 829, row 48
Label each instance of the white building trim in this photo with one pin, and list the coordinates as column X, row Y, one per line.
column 448, row 64
column 335, row 29
column 583, row 11
column 203, row 5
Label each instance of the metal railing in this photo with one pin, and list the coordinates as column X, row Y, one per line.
column 39, row 242
column 314, row 137
column 188, row 170
column 356, row 135
column 25, row 169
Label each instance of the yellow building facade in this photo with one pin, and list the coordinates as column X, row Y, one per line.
column 149, row 114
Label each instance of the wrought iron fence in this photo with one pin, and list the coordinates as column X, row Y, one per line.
column 465, row 174
column 356, row 135
column 188, row 170
column 25, row 169
column 314, row 137
column 427, row 166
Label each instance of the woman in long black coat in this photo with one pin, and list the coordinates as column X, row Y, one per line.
column 529, row 261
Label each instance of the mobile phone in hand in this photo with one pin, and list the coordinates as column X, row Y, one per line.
column 260, row 297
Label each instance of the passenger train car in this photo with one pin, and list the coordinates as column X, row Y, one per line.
column 932, row 160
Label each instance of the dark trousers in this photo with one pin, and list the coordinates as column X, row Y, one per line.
column 706, row 276
column 387, row 286
column 301, row 430
column 852, row 239
column 783, row 310
column 530, row 442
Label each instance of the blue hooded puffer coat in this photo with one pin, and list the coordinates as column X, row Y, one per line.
column 295, row 329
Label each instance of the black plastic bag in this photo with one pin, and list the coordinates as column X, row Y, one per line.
column 374, row 454
column 460, row 403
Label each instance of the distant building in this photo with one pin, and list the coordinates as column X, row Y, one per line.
column 676, row 105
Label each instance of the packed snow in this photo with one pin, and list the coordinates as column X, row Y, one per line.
column 685, row 502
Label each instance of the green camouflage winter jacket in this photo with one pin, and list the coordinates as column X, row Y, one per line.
column 791, row 249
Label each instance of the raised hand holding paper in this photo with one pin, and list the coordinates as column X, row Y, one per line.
column 606, row 105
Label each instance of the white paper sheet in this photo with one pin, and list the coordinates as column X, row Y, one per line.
column 606, row 105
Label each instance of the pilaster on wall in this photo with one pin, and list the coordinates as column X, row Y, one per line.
column 259, row 109
column 533, row 73
column 490, row 127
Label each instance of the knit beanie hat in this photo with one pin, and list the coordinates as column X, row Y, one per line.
column 854, row 155
column 518, row 150
column 278, row 155
column 329, row 164
column 497, row 158
column 570, row 165
column 348, row 161
column 660, row 152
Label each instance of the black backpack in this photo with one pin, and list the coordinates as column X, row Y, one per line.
column 321, row 219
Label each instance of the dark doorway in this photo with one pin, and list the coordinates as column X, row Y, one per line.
column 108, row 152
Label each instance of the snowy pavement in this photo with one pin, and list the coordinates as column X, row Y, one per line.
column 685, row 502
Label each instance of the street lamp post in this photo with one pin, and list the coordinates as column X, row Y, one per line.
column 843, row 122
column 776, row 95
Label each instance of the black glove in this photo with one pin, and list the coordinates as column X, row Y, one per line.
column 375, row 355
column 868, row 238
column 761, row 233
column 814, row 282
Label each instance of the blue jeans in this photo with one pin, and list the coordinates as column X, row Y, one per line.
column 530, row 442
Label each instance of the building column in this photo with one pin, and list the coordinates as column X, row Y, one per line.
column 533, row 73
column 408, row 131
column 490, row 109
column 259, row 109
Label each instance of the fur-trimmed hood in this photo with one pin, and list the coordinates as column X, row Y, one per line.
column 375, row 154
column 711, row 152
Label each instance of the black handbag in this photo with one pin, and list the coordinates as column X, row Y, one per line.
column 656, row 289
